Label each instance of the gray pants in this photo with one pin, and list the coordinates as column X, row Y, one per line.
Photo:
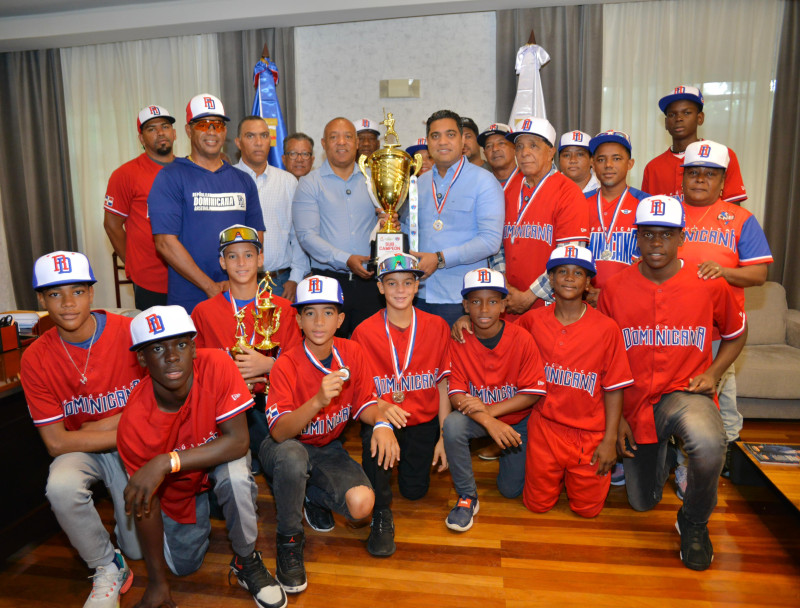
column 185, row 545
column 70, row 495
column 696, row 420
column 457, row 430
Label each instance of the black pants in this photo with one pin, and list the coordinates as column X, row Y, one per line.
column 361, row 298
column 414, row 469
column 144, row 298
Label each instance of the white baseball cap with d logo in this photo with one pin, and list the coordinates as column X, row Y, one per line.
column 484, row 278
column 62, row 268
column 160, row 323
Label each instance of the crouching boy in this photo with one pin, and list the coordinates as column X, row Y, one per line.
column 496, row 377
column 314, row 390
column 572, row 432
column 184, row 427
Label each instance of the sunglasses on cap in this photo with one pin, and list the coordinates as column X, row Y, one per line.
column 204, row 124
column 237, row 234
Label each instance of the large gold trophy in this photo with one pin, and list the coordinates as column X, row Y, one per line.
column 266, row 321
column 391, row 169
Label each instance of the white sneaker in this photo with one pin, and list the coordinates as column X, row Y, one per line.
column 109, row 583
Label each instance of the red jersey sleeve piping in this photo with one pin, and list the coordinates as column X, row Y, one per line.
column 273, row 414
column 738, row 332
column 46, row 421
column 363, row 407
column 531, row 391
column 235, row 412
column 618, row 385
column 114, row 211
column 736, row 199
column 444, row 374
column 762, row 259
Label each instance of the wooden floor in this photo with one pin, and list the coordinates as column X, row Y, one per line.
column 510, row 558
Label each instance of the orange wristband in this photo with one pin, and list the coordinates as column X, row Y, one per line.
column 175, row 461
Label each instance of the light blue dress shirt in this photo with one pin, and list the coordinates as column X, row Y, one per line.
column 473, row 218
column 333, row 217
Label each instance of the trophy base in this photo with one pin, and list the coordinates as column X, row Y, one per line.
column 387, row 245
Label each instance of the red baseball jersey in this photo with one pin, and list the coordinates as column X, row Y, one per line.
column 126, row 195
column 53, row 386
column 429, row 361
column 535, row 225
column 667, row 331
column 497, row 374
column 218, row 394
column 664, row 175
column 613, row 233
column 580, row 359
column 727, row 234
column 294, row 380
column 216, row 324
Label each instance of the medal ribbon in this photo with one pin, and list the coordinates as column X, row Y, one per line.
column 520, row 209
column 510, row 177
column 398, row 373
column 608, row 233
column 252, row 339
column 316, row 362
column 440, row 207
column 413, row 214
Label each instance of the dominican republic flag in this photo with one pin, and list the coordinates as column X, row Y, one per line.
column 265, row 105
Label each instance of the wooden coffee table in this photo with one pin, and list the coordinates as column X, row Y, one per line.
column 785, row 477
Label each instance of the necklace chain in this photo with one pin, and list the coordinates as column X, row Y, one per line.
column 88, row 354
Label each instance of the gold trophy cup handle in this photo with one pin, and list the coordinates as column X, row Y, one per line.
column 417, row 163
column 362, row 164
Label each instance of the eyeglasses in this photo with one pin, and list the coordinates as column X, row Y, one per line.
column 236, row 234
column 304, row 155
column 205, row 124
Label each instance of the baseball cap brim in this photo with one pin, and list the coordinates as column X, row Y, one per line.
column 496, row 288
column 487, row 134
column 585, row 264
column 512, row 137
column 599, row 140
column 412, row 150
column 171, row 120
column 141, row 345
column 705, row 163
column 210, row 114
column 664, row 102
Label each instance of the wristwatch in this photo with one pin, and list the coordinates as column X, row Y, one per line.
column 440, row 259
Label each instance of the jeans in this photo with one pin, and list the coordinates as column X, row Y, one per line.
column 295, row 470
column 414, row 469
column 185, row 545
column 732, row 420
column 696, row 420
column 280, row 279
column 70, row 495
column 457, row 430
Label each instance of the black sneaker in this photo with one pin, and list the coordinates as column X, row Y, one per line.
column 290, row 570
column 255, row 577
column 381, row 537
column 696, row 550
column 319, row 518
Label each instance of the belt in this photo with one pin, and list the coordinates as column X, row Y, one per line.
column 275, row 273
column 334, row 274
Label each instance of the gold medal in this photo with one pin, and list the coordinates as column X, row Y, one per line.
column 398, row 397
column 438, row 225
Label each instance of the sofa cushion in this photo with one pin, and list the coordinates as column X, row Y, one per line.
column 766, row 313
column 771, row 372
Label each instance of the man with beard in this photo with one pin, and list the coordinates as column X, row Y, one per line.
column 193, row 200
column 126, row 221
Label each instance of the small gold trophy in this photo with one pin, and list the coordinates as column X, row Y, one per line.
column 391, row 169
column 266, row 321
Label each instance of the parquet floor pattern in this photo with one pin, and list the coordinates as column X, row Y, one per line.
column 510, row 559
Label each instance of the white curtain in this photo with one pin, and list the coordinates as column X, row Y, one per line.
column 728, row 48
column 105, row 86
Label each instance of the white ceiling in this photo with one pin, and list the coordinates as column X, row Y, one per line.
column 32, row 24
